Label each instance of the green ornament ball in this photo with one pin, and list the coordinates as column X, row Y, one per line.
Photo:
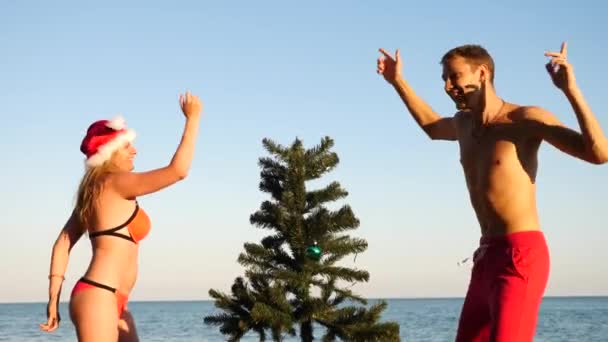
column 314, row 252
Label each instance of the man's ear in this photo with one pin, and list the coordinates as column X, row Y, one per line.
column 484, row 73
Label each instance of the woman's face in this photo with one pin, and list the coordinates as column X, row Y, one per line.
column 123, row 158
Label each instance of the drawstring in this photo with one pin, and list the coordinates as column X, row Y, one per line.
column 477, row 255
column 463, row 261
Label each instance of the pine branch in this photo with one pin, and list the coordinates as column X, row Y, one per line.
column 318, row 166
column 345, row 294
column 344, row 273
column 363, row 332
column 273, row 241
column 257, row 251
column 368, row 329
column 237, row 319
column 333, row 295
column 330, row 193
column 305, row 313
column 274, row 310
column 273, row 176
column 324, row 222
column 327, row 289
column 273, row 186
column 259, row 283
column 241, row 295
column 290, row 278
column 218, row 319
column 275, row 149
column 377, row 332
column 326, row 144
column 228, row 304
column 337, row 249
column 319, row 160
column 262, row 257
column 252, row 261
column 265, row 313
column 342, row 220
column 270, row 216
column 272, row 168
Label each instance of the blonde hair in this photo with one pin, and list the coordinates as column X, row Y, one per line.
column 90, row 188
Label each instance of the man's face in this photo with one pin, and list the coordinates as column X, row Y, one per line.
column 462, row 83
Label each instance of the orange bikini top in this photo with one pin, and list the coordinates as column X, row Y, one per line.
column 138, row 226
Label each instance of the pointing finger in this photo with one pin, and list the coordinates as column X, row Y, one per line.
column 553, row 54
column 386, row 54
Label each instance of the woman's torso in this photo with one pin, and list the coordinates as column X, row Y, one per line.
column 114, row 260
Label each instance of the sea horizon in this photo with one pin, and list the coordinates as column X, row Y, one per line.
column 366, row 298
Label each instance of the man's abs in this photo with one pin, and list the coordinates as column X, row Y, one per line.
column 500, row 173
column 505, row 210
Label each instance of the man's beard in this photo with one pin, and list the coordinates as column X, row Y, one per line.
column 464, row 101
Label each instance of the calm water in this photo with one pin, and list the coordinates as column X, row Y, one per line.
column 561, row 319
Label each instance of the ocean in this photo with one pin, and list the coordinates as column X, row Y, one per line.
column 560, row 319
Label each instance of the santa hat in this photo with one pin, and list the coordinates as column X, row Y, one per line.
column 103, row 138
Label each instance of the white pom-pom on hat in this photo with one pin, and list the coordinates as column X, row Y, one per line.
column 117, row 123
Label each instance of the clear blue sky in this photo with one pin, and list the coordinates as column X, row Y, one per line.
column 280, row 70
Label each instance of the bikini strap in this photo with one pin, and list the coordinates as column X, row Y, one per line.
column 96, row 284
column 113, row 231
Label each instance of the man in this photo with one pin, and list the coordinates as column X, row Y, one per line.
column 499, row 144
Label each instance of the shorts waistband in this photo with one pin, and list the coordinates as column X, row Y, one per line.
column 529, row 238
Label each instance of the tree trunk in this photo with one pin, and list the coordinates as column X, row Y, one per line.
column 306, row 331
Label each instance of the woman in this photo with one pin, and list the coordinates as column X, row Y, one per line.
column 106, row 208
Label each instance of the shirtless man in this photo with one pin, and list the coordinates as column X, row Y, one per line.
column 499, row 144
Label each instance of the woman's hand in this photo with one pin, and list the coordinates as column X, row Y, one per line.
column 191, row 105
column 53, row 318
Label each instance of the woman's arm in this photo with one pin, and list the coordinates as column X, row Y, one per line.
column 69, row 235
column 134, row 184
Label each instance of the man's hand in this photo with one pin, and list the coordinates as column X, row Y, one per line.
column 560, row 70
column 389, row 67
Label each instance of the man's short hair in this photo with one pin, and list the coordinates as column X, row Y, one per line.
column 475, row 55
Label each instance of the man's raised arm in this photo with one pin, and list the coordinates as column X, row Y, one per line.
column 435, row 126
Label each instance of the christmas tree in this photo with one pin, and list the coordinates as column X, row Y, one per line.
column 292, row 279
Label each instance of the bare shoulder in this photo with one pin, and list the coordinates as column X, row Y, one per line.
column 114, row 177
column 73, row 228
column 461, row 120
column 116, row 180
column 534, row 114
column 460, row 117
